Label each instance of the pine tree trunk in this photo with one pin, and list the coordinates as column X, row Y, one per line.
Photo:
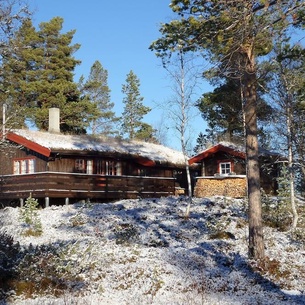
column 256, row 239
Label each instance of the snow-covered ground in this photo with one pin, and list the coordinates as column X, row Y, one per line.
column 145, row 252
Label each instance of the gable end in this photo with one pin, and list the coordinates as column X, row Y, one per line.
column 28, row 144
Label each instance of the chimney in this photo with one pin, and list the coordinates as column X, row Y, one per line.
column 54, row 120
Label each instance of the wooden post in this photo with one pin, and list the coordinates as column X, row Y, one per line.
column 21, row 202
column 202, row 169
column 67, row 201
column 47, row 202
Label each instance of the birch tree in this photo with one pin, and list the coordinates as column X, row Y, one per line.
column 183, row 76
column 285, row 89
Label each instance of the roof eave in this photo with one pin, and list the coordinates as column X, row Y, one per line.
column 28, row 144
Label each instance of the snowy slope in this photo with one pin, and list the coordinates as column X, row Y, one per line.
column 144, row 252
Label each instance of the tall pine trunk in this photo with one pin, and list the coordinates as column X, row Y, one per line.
column 256, row 239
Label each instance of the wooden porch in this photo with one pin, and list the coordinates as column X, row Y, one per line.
column 76, row 186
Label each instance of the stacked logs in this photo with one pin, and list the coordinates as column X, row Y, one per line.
column 235, row 187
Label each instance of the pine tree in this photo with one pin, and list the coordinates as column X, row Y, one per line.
column 29, row 214
column 98, row 92
column 222, row 110
column 146, row 133
column 13, row 14
column 40, row 74
column 232, row 35
column 134, row 109
column 282, row 209
column 201, row 143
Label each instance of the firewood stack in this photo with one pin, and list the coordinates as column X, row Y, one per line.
column 230, row 187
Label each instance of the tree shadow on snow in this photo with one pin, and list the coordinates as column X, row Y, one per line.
column 213, row 265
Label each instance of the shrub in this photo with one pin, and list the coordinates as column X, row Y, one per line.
column 9, row 251
column 125, row 233
column 29, row 215
column 47, row 269
column 276, row 211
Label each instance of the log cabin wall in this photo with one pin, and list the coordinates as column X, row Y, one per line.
column 211, row 164
column 9, row 154
column 233, row 186
column 269, row 171
column 81, row 174
column 213, row 185
column 66, row 164
column 127, row 166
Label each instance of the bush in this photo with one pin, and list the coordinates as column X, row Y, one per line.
column 276, row 212
column 47, row 269
column 125, row 233
column 9, row 251
column 29, row 215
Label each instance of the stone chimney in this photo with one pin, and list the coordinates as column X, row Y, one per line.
column 54, row 120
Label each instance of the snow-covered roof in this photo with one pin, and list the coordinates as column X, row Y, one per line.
column 241, row 148
column 231, row 148
column 62, row 142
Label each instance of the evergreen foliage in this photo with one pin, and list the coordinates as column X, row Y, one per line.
column 146, row 133
column 277, row 210
column 286, row 92
column 29, row 214
column 97, row 90
column 13, row 13
column 39, row 75
column 201, row 143
column 222, row 110
column 232, row 35
column 134, row 109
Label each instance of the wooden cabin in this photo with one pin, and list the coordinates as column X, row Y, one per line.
column 222, row 171
column 58, row 168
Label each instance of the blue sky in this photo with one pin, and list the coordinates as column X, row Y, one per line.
column 118, row 34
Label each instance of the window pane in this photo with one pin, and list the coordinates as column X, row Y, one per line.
column 16, row 167
column 31, row 166
column 80, row 165
column 89, row 167
column 225, row 168
column 118, row 168
column 23, row 167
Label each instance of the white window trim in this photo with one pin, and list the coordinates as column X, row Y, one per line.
column 89, row 167
column 24, row 166
column 225, row 168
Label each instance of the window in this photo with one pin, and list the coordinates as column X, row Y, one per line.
column 113, row 168
column 24, row 166
column 84, row 166
column 225, row 168
column 80, row 166
column 109, row 168
column 89, row 169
